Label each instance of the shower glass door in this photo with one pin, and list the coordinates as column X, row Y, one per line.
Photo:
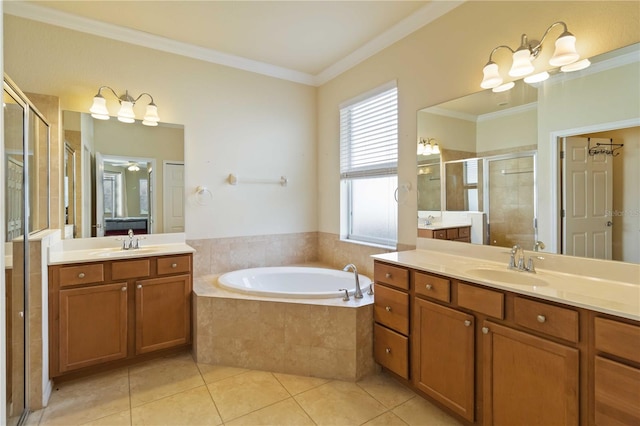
column 511, row 199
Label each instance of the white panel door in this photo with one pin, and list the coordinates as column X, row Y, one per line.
column 173, row 197
column 587, row 200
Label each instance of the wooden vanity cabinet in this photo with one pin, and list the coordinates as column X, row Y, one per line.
column 106, row 313
column 453, row 233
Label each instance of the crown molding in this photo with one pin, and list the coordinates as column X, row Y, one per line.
column 507, row 112
column 415, row 21
column 410, row 24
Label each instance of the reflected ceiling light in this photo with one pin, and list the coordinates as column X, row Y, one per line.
column 522, row 58
column 125, row 114
column 428, row 146
column 504, row 87
column 133, row 167
column 576, row 66
column 536, row 78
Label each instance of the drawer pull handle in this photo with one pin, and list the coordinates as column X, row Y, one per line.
column 388, row 308
column 429, row 286
column 467, row 323
column 174, row 265
column 124, row 288
column 541, row 318
column 485, row 330
column 139, row 285
column 387, row 275
column 388, row 350
column 81, row 275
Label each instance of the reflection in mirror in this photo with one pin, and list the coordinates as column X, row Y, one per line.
column 69, row 190
column 429, row 183
column 600, row 102
column 150, row 204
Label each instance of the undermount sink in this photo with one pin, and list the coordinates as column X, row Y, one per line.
column 506, row 276
column 113, row 252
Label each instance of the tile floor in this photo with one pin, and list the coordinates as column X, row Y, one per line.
column 177, row 391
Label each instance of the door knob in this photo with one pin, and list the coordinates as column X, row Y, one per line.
column 388, row 308
column 467, row 323
column 609, row 223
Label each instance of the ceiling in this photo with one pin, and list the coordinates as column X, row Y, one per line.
column 305, row 41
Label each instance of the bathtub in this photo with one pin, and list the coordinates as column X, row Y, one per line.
column 292, row 282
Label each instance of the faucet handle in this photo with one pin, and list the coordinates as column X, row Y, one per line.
column 370, row 292
column 346, row 294
column 530, row 266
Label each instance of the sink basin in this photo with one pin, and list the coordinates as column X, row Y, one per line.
column 117, row 252
column 507, row 276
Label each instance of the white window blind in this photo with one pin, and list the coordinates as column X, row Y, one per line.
column 369, row 136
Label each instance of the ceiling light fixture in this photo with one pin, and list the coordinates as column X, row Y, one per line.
column 426, row 147
column 522, row 58
column 125, row 114
column 133, row 167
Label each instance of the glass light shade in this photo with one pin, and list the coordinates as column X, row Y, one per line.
column 565, row 52
column 126, row 114
column 151, row 114
column 435, row 149
column 420, row 149
column 133, row 168
column 99, row 108
column 491, row 76
column 149, row 123
column 521, row 63
column 504, row 87
column 537, row 78
column 576, row 66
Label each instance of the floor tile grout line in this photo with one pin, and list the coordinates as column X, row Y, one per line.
column 213, row 401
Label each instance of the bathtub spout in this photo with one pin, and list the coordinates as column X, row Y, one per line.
column 358, row 293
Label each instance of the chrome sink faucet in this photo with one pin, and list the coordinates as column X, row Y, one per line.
column 517, row 260
column 358, row 293
column 131, row 244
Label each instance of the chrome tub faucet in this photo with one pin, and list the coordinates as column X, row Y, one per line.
column 358, row 293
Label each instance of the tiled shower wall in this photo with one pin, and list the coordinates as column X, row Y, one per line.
column 219, row 255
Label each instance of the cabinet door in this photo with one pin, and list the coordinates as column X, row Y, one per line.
column 443, row 356
column 93, row 325
column 163, row 313
column 528, row 380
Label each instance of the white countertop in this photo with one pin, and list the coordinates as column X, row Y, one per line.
column 620, row 298
column 436, row 226
column 109, row 248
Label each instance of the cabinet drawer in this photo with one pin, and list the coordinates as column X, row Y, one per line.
column 391, row 350
column 481, row 300
column 464, row 232
column 618, row 338
column 391, row 275
column 81, row 274
column 552, row 320
column 617, row 393
column 173, row 265
column 440, row 234
column 391, row 308
column 130, row 269
column 433, row 287
column 452, row 233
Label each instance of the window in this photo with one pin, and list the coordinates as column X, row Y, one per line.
column 369, row 167
column 144, row 196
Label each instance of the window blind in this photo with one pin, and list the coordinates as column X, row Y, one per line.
column 369, row 136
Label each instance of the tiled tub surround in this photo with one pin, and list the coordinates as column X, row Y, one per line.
column 326, row 338
column 219, row 255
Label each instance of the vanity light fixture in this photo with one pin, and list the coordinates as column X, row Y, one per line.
column 125, row 114
column 522, row 58
column 133, row 167
column 428, row 146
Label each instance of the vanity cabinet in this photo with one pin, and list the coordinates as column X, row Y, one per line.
column 107, row 313
column 527, row 379
column 453, row 233
column 616, row 372
column 444, row 355
column 391, row 316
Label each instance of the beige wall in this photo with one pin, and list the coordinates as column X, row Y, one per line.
column 444, row 61
column 234, row 122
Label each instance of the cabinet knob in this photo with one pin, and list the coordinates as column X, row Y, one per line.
column 429, row 286
column 139, row 286
column 124, row 288
column 388, row 350
column 387, row 275
column 467, row 323
column 541, row 318
column 174, row 265
column 485, row 330
column 81, row 275
column 388, row 308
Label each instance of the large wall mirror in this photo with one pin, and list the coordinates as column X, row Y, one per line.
column 487, row 171
column 122, row 176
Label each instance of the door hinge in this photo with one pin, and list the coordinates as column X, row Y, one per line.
column 562, row 213
column 562, row 155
